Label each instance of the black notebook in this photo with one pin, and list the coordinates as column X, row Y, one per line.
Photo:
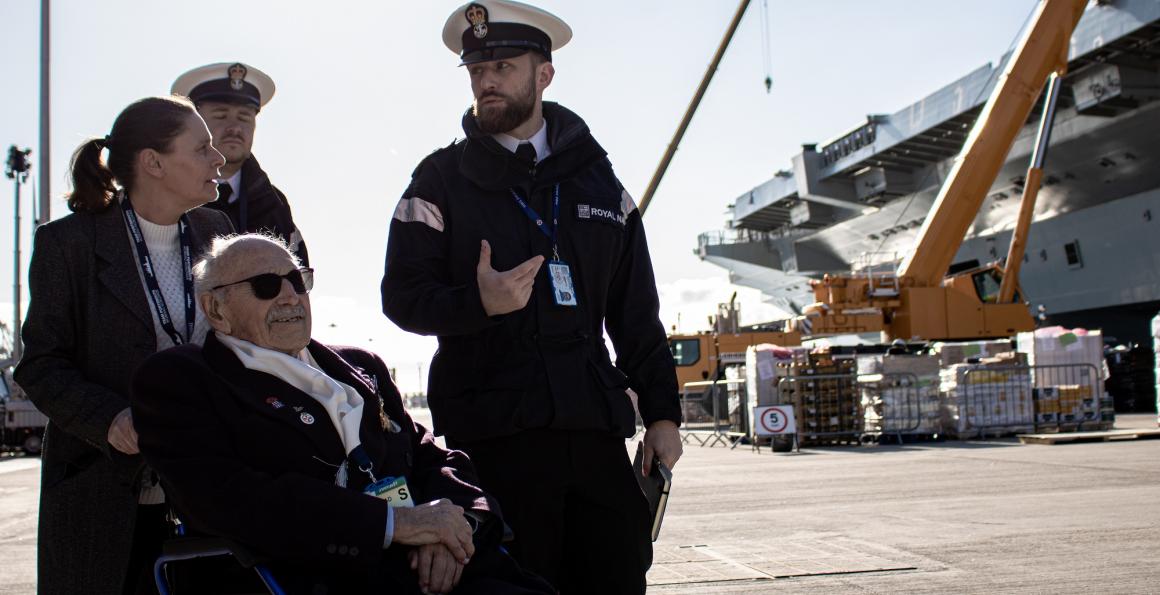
column 655, row 487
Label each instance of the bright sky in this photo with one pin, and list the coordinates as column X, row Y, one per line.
column 366, row 89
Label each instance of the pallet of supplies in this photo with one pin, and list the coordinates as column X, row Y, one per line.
column 765, row 364
column 1065, row 356
column 1156, row 350
column 959, row 352
column 900, row 394
column 987, row 399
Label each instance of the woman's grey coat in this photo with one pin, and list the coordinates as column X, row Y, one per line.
column 89, row 326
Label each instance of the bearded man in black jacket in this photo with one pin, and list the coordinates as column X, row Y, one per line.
column 518, row 247
column 229, row 97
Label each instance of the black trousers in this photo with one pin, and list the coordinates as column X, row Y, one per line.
column 579, row 516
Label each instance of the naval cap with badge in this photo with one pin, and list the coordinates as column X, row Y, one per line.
column 227, row 82
column 496, row 29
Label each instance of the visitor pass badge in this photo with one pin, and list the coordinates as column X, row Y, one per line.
column 394, row 490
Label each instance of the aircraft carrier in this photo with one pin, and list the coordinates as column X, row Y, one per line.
column 1093, row 255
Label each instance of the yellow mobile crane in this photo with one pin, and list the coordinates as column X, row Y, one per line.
column 920, row 301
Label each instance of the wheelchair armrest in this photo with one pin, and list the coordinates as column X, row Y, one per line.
column 188, row 547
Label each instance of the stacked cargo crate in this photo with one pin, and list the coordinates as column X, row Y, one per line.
column 1068, row 406
column 823, row 390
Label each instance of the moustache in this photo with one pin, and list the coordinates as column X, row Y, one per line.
column 298, row 311
column 488, row 94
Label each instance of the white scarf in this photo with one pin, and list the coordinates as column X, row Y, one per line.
column 342, row 403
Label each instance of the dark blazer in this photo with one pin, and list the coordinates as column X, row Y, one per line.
column 89, row 326
column 246, row 456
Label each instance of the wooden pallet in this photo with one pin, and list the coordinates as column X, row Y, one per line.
column 1106, row 436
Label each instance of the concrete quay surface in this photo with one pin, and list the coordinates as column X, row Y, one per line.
column 962, row 517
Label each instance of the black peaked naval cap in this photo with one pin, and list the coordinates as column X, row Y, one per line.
column 496, row 29
column 229, row 82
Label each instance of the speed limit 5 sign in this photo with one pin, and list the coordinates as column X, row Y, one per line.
column 774, row 420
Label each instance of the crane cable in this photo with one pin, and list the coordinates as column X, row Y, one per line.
column 766, row 53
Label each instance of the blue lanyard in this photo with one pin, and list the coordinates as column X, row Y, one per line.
column 535, row 217
column 359, row 457
column 151, row 284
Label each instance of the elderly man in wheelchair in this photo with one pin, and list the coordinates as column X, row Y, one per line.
column 303, row 453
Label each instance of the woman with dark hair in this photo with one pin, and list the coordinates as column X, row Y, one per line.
column 110, row 285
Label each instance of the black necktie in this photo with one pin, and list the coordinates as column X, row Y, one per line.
column 526, row 153
column 224, row 192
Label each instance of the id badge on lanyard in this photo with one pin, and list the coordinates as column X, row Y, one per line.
column 392, row 489
column 562, row 290
column 559, row 273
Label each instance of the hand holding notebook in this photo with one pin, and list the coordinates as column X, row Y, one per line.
column 655, row 487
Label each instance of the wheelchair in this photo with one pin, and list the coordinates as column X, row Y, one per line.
column 183, row 547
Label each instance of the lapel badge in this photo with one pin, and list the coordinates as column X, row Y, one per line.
column 275, row 403
column 297, row 409
column 306, row 418
column 237, row 74
column 477, row 17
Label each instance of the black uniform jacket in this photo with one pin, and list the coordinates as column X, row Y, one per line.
column 262, row 208
column 544, row 365
column 238, row 458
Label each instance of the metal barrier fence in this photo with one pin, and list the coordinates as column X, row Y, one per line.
column 856, row 408
column 1002, row 400
column 827, row 407
column 898, row 404
column 972, row 401
column 714, row 412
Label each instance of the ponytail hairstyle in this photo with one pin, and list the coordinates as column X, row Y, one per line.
column 150, row 123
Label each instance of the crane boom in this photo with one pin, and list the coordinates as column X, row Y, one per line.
column 663, row 166
column 920, row 300
column 1042, row 51
column 1030, row 192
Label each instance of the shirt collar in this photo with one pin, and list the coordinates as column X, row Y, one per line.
column 235, row 182
column 539, row 142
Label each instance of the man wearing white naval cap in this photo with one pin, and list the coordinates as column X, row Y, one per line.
column 518, row 247
column 229, row 95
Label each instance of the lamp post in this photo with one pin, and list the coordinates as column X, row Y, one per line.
column 17, row 170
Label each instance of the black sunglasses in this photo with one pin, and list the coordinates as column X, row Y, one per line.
column 267, row 286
